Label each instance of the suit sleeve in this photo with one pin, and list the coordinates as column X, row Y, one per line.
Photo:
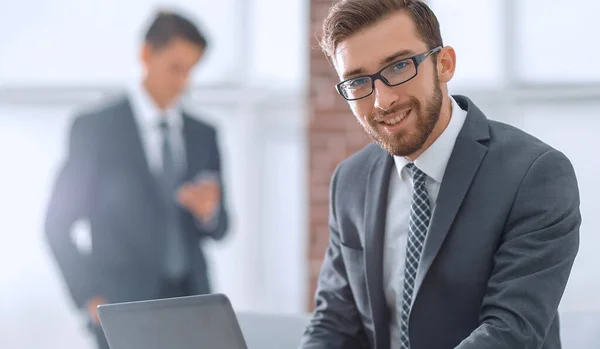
column 534, row 260
column 335, row 323
column 70, row 200
column 216, row 227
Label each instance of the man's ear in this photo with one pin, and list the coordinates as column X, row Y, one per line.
column 145, row 53
column 446, row 64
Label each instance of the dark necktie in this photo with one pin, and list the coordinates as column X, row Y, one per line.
column 176, row 261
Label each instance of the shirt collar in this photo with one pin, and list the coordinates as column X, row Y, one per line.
column 148, row 114
column 433, row 160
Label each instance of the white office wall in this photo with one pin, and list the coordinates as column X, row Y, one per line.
column 83, row 43
column 474, row 29
column 96, row 42
column 557, row 41
column 277, row 51
column 284, row 209
column 34, row 309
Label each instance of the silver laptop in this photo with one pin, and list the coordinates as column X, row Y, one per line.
column 196, row 322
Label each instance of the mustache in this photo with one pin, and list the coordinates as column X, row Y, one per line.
column 394, row 110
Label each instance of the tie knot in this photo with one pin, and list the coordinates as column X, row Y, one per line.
column 418, row 176
column 163, row 125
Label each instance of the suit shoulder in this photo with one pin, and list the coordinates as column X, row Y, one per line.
column 512, row 139
column 518, row 152
column 200, row 123
column 95, row 115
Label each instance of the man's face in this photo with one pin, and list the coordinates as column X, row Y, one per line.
column 399, row 118
column 168, row 69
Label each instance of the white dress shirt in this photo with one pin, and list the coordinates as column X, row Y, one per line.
column 148, row 117
column 433, row 163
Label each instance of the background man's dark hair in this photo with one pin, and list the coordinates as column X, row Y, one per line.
column 168, row 25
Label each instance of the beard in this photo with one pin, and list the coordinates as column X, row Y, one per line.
column 407, row 142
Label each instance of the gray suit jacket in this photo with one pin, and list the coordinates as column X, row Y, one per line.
column 107, row 181
column 497, row 255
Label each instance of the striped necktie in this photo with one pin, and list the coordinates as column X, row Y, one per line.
column 418, row 224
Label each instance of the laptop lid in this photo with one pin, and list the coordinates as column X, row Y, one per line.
column 196, row 322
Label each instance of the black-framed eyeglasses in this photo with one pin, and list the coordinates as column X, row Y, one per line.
column 393, row 74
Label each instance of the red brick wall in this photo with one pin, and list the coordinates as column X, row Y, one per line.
column 334, row 134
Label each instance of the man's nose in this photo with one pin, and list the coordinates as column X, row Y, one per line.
column 384, row 95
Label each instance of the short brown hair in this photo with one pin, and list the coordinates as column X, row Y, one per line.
column 347, row 17
column 168, row 25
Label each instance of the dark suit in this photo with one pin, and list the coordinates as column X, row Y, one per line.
column 106, row 179
column 497, row 256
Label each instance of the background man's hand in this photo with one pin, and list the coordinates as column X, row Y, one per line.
column 92, row 308
column 201, row 198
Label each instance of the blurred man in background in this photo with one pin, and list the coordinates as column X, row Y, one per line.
column 147, row 178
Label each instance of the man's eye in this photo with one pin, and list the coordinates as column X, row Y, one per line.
column 357, row 82
column 399, row 66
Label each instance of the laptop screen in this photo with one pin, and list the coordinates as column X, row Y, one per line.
column 185, row 323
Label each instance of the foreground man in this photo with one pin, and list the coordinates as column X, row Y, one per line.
column 451, row 230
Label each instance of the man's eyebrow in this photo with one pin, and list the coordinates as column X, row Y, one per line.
column 353, row 72
column 386, row 60
column 393, row 57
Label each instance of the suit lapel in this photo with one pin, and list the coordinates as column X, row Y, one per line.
column 374, row 221
column 466, row 157
column 199, row 150
column 191, row 155
column 135, row 152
